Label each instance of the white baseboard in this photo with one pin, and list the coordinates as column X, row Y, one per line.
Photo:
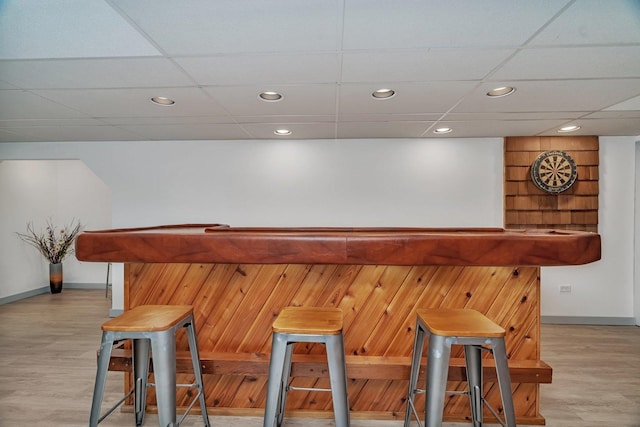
column 46, row 289
column 588, row 320
column 23, row 295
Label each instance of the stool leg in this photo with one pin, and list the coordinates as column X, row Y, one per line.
column 274, row 383
column 473, row 360
column 195, row 359
column 163, row 346
column 286, row 373
column 338, row 379
column 437, row 372
column 504, row 381
column 140, row 377
column 106, row 285
column 418, row 347
column 101, row 378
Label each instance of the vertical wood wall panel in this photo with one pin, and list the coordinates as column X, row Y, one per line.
column 526, row 206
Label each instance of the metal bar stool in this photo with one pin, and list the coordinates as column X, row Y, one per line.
column 151, row 327
column 306, row 324
column 470, row 328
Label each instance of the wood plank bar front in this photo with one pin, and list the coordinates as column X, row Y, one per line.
column 378, row 277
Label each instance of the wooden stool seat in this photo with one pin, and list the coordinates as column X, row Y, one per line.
column 152, row 330
column 309, row 320
column 148, row 318
column 459, row 322
column 471, row 329
column 306, row 325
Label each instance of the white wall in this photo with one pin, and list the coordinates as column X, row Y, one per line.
column 438, row 183
column 35, row 191
column 290, row 183
column 636, row 299
column 604, row 288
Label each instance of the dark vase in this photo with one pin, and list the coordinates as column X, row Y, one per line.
column 55, row 278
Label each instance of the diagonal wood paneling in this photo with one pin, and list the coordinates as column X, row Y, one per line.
column 235, row 306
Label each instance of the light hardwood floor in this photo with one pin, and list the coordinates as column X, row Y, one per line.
column 47, row 369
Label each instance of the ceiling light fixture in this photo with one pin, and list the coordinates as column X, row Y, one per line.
column 383, row 93
column 567, row 129
column 282, row 132
column 442, row 130
column 270, row 96
column 501, row 91
column 162, row 100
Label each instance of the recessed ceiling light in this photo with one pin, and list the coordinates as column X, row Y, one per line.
column 567, row 129
column 501, row 91
column 282, row 132
column 383, row 93
column 270, row 96
column 162, row 100
column 442, row 130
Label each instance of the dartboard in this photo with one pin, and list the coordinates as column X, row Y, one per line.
column 554, row 171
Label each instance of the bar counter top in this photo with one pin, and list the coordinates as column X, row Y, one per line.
column 217, row 243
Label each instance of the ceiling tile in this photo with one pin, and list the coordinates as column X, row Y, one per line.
column 3, row 84
column 388, row 117
column 244, row 100
column 11, row 136
column 556, row 95
column 431, row 97
column 574, row 63
column 231, row 26
column 629, row 104
column 74, row 133
column 298, row 130
column 609, row 127
column 280, row 118
column 187, row 132
column 421, row 65
column 262, row 69
column 410, row 24
column 606, row 114
column 135, row 102
column 542, row 115
column 172, row 120
column 594, row 22
column 20, row 104
column 93, row 73
column 25, row 123
column 71, row 29
column 380, row 129
column 495, row 128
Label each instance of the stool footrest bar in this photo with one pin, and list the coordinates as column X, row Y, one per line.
column 114, row 407
column 308, row 388
column 195, row 385
column 494, row 413
column 186, row 412
column 413, row 409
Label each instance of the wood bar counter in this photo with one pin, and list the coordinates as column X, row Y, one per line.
column 238, row 279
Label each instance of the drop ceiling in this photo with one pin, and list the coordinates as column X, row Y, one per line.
column 85, row 70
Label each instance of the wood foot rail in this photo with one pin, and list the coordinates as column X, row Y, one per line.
column 369, row 367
